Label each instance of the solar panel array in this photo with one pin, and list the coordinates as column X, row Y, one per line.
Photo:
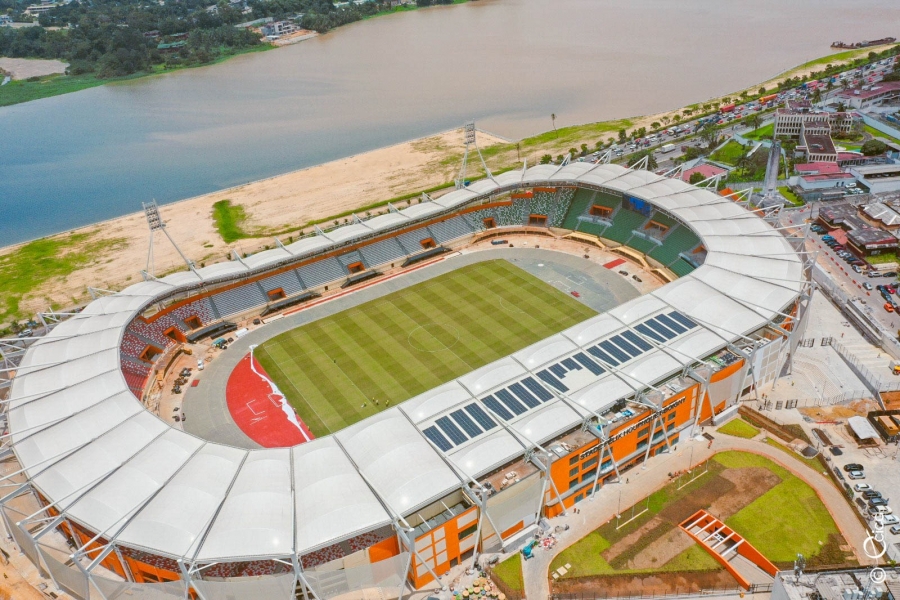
column 516, row 399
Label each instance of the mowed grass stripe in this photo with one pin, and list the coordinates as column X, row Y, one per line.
column 375, row 357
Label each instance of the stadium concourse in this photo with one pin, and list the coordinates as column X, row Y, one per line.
column 109, row 501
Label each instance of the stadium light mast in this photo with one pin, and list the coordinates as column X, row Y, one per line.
column 470, row 140
column 155, row 222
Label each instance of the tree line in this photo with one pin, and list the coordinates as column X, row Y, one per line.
column 114, row 38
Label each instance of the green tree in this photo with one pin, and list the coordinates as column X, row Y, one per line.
column 573, row 152
column 691, row 153
column 638, row 156
column 762, row 91
column 696, row 178
column 654, row 125
column 584, row 149
column 873, row 148
column 754, row 121
column 709, row 135
column 622, row 135
column 546, row 159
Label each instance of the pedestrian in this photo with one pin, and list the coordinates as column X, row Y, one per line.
column 626, row 480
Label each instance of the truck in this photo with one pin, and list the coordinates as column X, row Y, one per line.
column 667, row 148
column 727, row 108
column 769, row 98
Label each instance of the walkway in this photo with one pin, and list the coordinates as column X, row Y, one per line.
column 642, row 482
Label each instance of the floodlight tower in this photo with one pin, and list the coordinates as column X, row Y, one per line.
column 155, row 222
column 469, row 132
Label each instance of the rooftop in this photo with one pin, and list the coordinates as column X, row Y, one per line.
column 819, row 144
column 877, row 90
column 705, row 169
column 883, row 213
column 817, row 168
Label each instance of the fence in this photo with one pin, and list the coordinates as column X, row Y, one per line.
column 756, row 588
column 874, row 381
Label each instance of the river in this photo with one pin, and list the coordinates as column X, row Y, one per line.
column 79, row 158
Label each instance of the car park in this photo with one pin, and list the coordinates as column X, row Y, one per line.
column 878, row 501
column 895, row 529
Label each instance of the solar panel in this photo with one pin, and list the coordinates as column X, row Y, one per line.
column 571, row 365
column 481, row 416
column 622, row 343
column 524, row 395
column 537, row 389
column 596, row 351
column 615, row 351
column 466, row 423
column 550, row 379
column 668, row 322
column 591, row 365
column 435, row 436
column 497, row 408
column 558, row 370
column 637, row 340
column 511, row 403
column 649, row 332
column 453, row 432
column 682, row 319
column 659, row 328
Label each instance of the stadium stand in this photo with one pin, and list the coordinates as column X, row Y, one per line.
column 211, row 331
column 578, row 207
column 451, row 229
column 351, row 258
column 359, row 278
column 425, row 255
column 383, row 252
column 681, row 267
column 132, row 346
column 624, row 222
column 679, row 239
column 239, row 300
column 288, row 302
column 410, row 241
column 514, row 215
column 322, row 272
column 477, row 218
column 287, row 281
column 554, row 205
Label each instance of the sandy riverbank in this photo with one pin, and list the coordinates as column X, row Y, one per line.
column 23, row 68
column 287, row 202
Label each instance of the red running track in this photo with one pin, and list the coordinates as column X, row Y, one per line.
column 260, row 410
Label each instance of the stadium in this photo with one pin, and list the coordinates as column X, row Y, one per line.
column 110, row 501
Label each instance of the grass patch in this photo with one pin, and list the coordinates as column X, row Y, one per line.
column 729, row 153
column 812, row 463
column 510, row 572
column 787, row 519
column 574, row 136
column 880, row 259
column 398, row 346
column 766, row 132
column 228, row 218
column 18, row 91
column 875, row 133
column 33, row 264
column 791, row 196
column 739, row 428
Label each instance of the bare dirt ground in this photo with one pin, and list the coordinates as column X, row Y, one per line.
column 23, row 68
column 839, row 412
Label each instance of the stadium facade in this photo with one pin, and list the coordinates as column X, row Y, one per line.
column 406, row 494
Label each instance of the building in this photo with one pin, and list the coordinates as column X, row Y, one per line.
column 706, row 170
column 5, row 21
column 277, row 29
column 877, row 94
column 390, row 498
column 881, row 215
column 878, row 178
column 870, row 241
column 817, row 168
column 790, row 118
column 824, row 181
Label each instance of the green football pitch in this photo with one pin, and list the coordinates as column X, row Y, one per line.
column 333, row 370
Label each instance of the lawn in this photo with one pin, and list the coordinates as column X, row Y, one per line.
column 395, row 347
column 739, row 428
column 763, row 133
column 786, row 520
column 510, row 572
column 780, row 521
column 35, row 263
column 228, row 218
column 790, row 196
column 875, row 133
column 729, row 153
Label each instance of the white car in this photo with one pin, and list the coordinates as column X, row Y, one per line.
column 862, row 487
column 856, row 475
column 890, row 520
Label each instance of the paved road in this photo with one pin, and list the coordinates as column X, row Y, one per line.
column 642, row 482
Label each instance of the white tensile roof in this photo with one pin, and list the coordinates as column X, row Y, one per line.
column 88, row 445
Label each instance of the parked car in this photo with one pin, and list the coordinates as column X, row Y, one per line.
column 853, row 467
column 889, row 307
column 890, row 520
column 879, row 501
column 862, row 487
column 856, row 475
column 895, row 529
column 869, row 494
column 867, row 285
